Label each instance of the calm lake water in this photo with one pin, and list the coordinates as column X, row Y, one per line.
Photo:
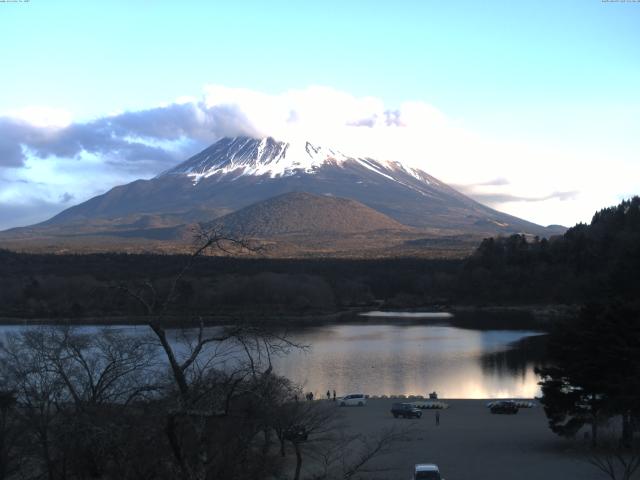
column 409, row 359
column 414, row 360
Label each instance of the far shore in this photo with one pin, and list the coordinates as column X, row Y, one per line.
column 511, row 317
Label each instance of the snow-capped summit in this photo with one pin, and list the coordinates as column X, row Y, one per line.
column 249, row 156
column 241, row 156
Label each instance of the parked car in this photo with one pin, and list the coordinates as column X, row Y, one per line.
column 426, row 471
column 296, row 433
column 353, row 399
column 405, row 410
column 504, row 406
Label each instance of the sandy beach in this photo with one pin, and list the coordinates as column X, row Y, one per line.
column 470, row 443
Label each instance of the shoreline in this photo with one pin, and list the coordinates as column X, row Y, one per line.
column 511, row 317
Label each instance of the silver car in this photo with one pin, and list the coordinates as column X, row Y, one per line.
column 353, row 400
column 426, row 471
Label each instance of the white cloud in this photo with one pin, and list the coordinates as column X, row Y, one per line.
column 544, row 182
column 41, row 116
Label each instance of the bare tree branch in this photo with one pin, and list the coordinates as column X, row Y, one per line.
column 614, row 459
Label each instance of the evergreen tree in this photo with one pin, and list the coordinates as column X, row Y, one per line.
column 596, row 364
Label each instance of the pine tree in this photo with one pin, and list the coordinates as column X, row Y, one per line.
column 596, row 364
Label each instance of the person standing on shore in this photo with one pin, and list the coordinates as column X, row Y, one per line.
column 328, row 395
column 437, row 418
column 334, row 395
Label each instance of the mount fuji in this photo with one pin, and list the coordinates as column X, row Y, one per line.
column 235, row 173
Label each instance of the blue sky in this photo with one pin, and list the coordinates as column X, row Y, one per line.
column 541, row 77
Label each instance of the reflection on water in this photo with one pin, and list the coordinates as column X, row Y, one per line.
column 403, row 359
column 411, row 360
column 433, row 315
column 526, row 354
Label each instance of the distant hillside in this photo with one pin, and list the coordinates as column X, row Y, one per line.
column 305, row 213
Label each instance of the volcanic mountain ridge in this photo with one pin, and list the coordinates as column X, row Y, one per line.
column 235, row 173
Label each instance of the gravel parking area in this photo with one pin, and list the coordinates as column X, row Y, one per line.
column 470, row 443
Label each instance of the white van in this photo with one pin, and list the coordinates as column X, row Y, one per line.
column 353, row 400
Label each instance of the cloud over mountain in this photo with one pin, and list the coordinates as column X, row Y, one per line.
column 152, row 134
column 45, row 145
column 129, row 137
column 497, row 198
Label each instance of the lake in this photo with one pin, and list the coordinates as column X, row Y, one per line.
column 407, row 359
column 414, row 360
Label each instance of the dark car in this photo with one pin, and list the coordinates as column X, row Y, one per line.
column 504, row 406
column 405, row 410
column 296, row 433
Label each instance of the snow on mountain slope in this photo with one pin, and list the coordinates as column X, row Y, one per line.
column 241, row 156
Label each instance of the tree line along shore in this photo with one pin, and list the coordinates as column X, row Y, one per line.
column 589, row 262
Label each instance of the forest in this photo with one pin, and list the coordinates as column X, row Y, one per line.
column 590, row 261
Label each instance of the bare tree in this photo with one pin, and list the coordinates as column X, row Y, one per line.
column 208, row 366
column 156, row 306
column 317, row 432
column 38, row 393
column 616, row 459
column 353, row 456
column 70, row 389
column 110, row 367
column 304, row 425
column 10, row 434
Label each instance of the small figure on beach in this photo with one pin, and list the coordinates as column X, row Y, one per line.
column 437, row 418
column 334, row 395
column 295, row 398
column 328, row 395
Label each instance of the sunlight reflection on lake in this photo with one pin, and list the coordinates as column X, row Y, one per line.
column 409, row 360
column 393, row 359
column 432, row 315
